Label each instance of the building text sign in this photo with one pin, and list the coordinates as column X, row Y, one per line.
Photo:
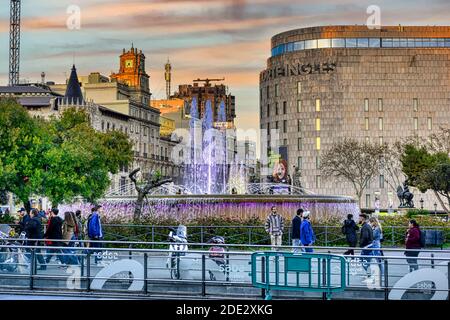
column 298, row 69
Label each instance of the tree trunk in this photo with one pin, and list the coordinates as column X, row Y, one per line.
column 138, row 207
column 440, row 201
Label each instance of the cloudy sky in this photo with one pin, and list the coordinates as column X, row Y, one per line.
column 203, row 38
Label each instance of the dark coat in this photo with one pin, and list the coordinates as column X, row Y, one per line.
column 33, row 229
column 23, row 222
column 54, row 230
column 413, row 238
column 366, row 236
column 296, row 224
column 349, row 229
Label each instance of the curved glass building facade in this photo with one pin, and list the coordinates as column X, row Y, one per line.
column 324, row 84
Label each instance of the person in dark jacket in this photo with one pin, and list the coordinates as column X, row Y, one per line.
column 25, row 217
column 413, row 242
column 54, row 232
column 33, row 230
column 95, row 232
column 349, row 229
column 296, row 224
column 365, row 240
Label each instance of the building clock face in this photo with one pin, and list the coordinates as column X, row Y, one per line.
column 128, row 63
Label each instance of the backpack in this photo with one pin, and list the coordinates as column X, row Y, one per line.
column 422, row 238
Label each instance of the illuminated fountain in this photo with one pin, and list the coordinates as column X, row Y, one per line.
column 214, row 188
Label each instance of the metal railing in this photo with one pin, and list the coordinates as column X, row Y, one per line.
column 139, row 272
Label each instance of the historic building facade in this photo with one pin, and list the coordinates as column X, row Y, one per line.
column 323, row 84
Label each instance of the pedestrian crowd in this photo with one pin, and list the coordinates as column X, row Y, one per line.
column 61, row 235
column 370, row 237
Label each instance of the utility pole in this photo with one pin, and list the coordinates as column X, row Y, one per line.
column 14, row 42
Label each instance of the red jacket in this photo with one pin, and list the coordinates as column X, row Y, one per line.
column 413, row 238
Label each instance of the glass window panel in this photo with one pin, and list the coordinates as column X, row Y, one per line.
column 350, row 43
column 363, row 43
column 290, row 47
column 433, row 43
column 441, row 42
column 299, row 105
column 299, row 45
column 324, row 43
column 387, row 43
column 318, row 143
column 318, row 104
column 418, row 42
column 273, row 52
column 310, row 44
column 447, row 43
column 430, row 123
column 411, row 43
column 426, row 43
column 395, row 43
column 374, row 42
column 338, row 43
column 403, row 43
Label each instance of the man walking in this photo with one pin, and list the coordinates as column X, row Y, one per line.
column 349, row 229
column 33, row 230
column 365, row 240
column 95, row 232
column 307, row 236
column 274, row 227
column 296, row 224
column 54, row 233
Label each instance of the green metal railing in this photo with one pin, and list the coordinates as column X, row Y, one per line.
column 294, row 272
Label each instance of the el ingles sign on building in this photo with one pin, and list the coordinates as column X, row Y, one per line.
column 299, row 69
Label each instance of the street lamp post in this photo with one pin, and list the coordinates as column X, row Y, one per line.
column 435, row 208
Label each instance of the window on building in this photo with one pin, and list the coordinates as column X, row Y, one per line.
column 268, row 128
column 114, row 127
column 367, row 139
column 318, row 124
column 366, row 105
column 299, row 162
column 299, row 144
column 276, row 108
column 268, row 110
column 318, row 143
column 103, row 125
column 267, row 92
column 311, row 44
column 318, row 105
column 380, row 124
column 276, row 124
column 299, row 87
column 318, row 162
column 415, row 104
column 430, row 123
column 416, row 123
column 366, row 123
column 285, row 126
column 299, row 105
column 338, row 43
column 284, row 107
column 299, row 125
column 285, row 142
column 318, row 182
column 381, row 140
column 381, row 181
column 380, row 105
column 277, row 93
column 107, row 126
column 324, row 43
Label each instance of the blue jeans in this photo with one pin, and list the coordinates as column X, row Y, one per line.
column 366, row 260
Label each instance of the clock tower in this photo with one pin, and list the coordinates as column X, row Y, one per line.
column 132, row 73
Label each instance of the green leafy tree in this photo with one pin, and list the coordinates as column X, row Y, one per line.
column 427, row 171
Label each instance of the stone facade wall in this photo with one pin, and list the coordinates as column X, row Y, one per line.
column 397, row 76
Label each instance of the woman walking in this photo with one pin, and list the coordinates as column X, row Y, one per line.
column 376, row 243
column 69, row 227
column 413, row 242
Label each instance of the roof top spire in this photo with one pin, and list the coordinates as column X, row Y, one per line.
column 73, row 91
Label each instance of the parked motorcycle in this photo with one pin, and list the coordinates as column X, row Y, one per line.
column 177, row 248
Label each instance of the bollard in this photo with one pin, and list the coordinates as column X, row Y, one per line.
column 263, row 276
column 32, row 263
column 145, row 273
column 203, row 275
column 386, row 280
column 88, row 271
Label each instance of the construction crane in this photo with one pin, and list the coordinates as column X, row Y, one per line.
column 14, row 43
column 207, row 81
